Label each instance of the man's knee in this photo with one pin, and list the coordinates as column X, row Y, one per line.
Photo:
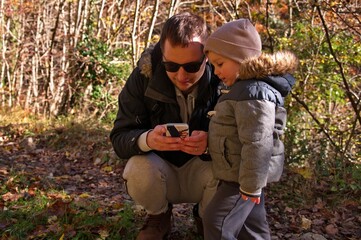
column 139, row 166
column 133, row 164
column 145, row 172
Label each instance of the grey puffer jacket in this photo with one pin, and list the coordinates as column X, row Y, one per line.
column 245, row 131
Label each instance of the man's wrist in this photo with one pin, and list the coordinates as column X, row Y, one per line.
column 206, row 151
column 142, row 142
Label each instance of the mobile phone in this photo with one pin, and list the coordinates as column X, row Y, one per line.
column 177, row 130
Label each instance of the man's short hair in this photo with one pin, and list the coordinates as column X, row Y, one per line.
column 181, row 28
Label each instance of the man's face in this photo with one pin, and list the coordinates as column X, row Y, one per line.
column 192, row 54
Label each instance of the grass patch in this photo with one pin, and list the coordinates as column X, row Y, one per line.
column 36, row 213
column 32, row 206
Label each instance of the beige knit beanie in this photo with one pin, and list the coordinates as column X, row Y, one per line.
column 237, row 40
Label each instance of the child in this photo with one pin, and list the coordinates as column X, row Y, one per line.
column 245, row 130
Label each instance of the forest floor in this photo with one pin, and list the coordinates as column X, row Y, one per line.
column 74, row 168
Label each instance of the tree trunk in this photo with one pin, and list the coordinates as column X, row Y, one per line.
column 151, row 27
column 134, row 33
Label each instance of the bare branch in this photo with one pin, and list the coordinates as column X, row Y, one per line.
column 346, row 85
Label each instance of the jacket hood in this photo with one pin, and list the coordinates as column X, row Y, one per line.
column 265, row 65
column 148, row 60
column 275, row 69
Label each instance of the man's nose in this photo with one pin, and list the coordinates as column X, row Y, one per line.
column 182, row 73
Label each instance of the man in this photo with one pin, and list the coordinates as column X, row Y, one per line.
column 173, row 83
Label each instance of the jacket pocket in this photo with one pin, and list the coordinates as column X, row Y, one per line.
column 275, row 168
column 220, row 155
column 225, row 154
column 277, row 161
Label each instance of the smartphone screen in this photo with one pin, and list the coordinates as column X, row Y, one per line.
column 177, row 130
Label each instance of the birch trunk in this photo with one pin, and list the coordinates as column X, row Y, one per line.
column 151, row 27
column 100, row 16
column 134, row 33
column 3, row 58
column 22, row 57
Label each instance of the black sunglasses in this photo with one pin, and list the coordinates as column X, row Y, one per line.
column 191, row 67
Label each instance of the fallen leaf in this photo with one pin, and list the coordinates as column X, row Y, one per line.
column 59, row 208
column 84, row 195
column 306, row 223
column 118, row 205
column 52, row 219
column 331, row 229
column 107, row 169
column 104, row 233
column 11, row 197
column 61, row 237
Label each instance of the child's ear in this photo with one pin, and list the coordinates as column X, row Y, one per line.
column 207, row 60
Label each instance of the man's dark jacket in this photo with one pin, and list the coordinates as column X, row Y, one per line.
column 149, row 99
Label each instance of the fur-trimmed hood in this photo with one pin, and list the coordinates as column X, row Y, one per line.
column 277, row 64
column 146, row 60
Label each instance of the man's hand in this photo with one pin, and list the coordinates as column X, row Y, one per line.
column 195, row 144
column 157, row 140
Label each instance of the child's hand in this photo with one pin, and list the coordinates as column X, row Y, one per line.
column 256, row 200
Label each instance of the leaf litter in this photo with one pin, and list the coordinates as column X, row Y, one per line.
column 87, row 171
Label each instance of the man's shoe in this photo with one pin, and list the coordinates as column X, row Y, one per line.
column 157, row 227
column 198, row 220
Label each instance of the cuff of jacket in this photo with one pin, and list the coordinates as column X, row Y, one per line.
column 256, row 194
column 142, row 142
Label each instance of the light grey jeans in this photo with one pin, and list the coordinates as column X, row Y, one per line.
column 153, row 182
column 229, row 217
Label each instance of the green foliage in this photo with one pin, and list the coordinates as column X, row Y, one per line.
column 346, row 183
column 320, row 86
column 103, row 69
column 101, row 64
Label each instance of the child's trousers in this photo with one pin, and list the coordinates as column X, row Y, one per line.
column 229, row 217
